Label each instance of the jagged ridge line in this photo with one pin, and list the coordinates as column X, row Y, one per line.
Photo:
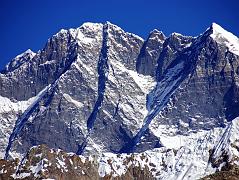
column 182, row 75
column 20, row 122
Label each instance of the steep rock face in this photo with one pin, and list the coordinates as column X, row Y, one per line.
column 149, row 54
column 72, row 99
column 86, row 102
column 202, row 100
column 196, row 82
column 99, row 89
column 172, row 47
column 44, row 68
column 49, row 106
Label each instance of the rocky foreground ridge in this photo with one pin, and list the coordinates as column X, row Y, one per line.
column 41, row 162
column 164, row 107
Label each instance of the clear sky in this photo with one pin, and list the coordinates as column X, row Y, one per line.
column 28, row 24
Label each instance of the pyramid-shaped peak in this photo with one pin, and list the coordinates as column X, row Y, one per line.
column 157, row 34
column 27, row 52
column 222, row 36
column 156, row 31
column 216, row 28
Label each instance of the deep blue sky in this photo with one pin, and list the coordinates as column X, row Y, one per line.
column 29, row 23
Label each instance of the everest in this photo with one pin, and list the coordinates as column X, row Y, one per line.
column 98, row 102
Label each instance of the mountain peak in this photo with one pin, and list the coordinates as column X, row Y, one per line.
column 27, row 52
column 223, row 37
column 90, row 25
column 102, row 92
column 155, row 31
column 216, row 27
column 19, row 60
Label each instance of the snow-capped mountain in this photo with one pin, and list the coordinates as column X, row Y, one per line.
column 173, row 102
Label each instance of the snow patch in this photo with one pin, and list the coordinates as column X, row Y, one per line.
column 145, row 83
column 48, row 62
column 6, row 105
column 21, row 176
column 80, row 65
column 73, row 101
column 81, row 37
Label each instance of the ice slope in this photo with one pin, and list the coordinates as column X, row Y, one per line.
column 9, row 111
column 182, row 157
column 227, row 146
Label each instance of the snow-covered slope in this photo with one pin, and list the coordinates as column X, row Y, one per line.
column 182, row 157
column 100, row 90
column 9, row 111
column 225, row 38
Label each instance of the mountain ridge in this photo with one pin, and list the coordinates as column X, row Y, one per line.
column 98, row 89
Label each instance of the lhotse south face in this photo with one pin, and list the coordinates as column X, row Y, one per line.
column 98, row 89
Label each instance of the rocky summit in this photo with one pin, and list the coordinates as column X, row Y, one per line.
column 101, row 103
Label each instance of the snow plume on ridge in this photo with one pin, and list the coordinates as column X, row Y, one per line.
column 103, row 70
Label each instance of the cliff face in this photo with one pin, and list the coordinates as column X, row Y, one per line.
column 98, row 89
column 207, row 88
